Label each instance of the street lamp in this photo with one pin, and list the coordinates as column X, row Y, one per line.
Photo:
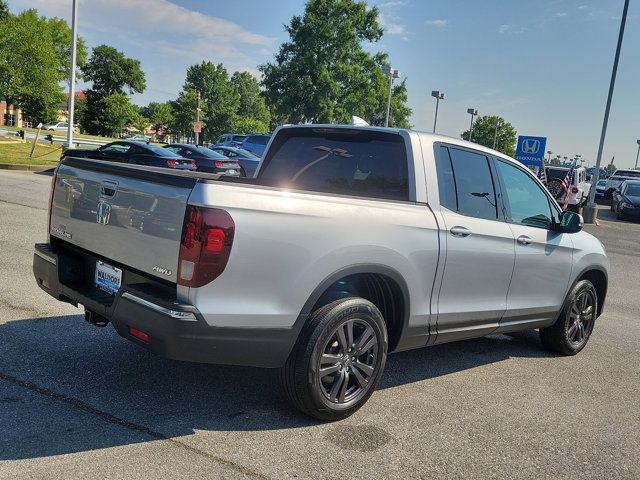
column 72, row 74
column 391, row 73
column 637, row 154
column 473, row 113
column 495, row 133
column 438, row 95
column 590, row 210
column 549, row 152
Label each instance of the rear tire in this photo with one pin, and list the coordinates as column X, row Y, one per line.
column 571, row 331
column 337, row 360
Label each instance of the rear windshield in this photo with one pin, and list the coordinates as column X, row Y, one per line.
column 239, row 138
column 627, row 173
column 258, row 139
column 347, row 162
column 161, row 152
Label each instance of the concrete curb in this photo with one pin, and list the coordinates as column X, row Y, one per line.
column 25, row 166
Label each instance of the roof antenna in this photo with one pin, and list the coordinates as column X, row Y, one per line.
column 359, row 122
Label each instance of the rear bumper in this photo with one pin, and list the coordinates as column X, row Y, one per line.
column 175, row 330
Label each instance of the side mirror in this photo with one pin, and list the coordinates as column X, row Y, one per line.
column 570, row 223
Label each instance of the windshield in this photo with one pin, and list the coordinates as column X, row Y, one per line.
column 247, row 153
column 207, row 152
column 162, row 152
column 633, row 191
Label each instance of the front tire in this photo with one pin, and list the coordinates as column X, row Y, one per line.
column 337, row 361
column 572, row 330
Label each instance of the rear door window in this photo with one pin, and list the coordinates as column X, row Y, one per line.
column 465, row 183
column 340, row 161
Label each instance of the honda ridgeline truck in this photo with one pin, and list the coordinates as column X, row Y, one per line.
column 350, row 243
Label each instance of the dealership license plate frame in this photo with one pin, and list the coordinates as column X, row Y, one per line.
column 108, row 278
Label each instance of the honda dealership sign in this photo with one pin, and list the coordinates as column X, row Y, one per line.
column 531, row 150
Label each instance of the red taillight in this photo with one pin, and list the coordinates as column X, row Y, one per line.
column 139, row 334
column 53, row 186
column 171, row 163
column 219, row 164
column 207, row 237
column 574, row 190
column 193, row 164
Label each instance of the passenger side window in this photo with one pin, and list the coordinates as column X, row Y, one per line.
column 526, row 202
column 465, row 183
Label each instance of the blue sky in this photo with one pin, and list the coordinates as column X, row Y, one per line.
column 544, row 65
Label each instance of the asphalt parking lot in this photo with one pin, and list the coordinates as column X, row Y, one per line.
column 78, row 401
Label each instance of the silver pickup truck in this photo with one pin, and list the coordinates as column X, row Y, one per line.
column 350, row 243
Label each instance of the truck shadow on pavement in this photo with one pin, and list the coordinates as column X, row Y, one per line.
column 68, row 387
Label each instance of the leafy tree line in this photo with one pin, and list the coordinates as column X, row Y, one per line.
column 323, row 73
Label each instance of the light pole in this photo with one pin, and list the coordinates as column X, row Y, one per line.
column 438, row 95
column 495, row 133
column 473, row 112
column 549, row 152
column 637, row 154
column 391, row 73
column 72, row 74
column 590, row 209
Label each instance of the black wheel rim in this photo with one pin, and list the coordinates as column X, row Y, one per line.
column 581, row 318
column 348, row 362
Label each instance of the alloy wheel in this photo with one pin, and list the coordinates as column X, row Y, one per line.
column 581, row 318
column 348, row 362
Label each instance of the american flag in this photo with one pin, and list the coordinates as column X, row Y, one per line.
column 566, row 185
column 542, row 176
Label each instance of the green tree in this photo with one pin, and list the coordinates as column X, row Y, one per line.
column 249, row 125
column 111, row 114
column 34, row 60
column 253, row 107
column 113, row 76
column 184, row 110
column 4, row 10
column 484, row 132
column 323, row 74
column 159, row 114
column 111, row 72
column 219, row 100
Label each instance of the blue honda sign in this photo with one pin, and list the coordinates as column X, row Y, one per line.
column 531, row 150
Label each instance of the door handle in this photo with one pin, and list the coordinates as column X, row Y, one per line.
column 460, row 231
column 524, row 240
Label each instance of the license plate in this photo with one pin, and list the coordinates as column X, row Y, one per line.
column 108, row 278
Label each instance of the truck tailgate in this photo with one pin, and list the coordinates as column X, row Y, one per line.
column 128, row 214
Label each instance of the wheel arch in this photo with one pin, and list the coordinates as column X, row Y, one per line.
column 381, row 285
column 599, row 278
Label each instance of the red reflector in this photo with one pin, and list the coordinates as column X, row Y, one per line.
column 171, row 163
column 574, row 190
column 215, row 240
column 140, row 335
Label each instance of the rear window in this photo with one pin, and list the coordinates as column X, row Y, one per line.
column 258, row 139
column 627, row 173
column 239, row 138
column 346, row 162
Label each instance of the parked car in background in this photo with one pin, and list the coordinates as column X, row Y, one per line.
column 230, row 139
column 57, row 127
column 255, row 143
column 206, row 159
column 579, row 190
column 137, row 137
column 615, row 180
column 625, row 201
column 601, row 187
column 247, row 160
column 137, row 153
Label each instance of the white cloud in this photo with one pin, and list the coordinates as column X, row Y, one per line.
column 394, row 3
column 561, row 14
column 390, row 27
column 504, row 28
column 438, row 23
column 509, row 28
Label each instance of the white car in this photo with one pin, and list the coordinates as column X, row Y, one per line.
column 57, row 126
column 580, row 187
